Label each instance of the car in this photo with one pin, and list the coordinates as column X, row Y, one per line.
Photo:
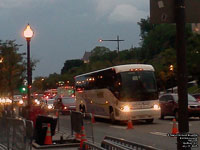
column 65, row 104
column 50, row 104
column 169, row 105
column 17, row 98
column 197, row 96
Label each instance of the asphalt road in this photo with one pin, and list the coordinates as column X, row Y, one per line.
column 148, row 134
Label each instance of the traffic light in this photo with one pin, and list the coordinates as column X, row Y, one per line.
column 23, row 89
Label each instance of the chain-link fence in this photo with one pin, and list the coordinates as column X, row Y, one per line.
column 87, row 122
column 16, row 133
column 80, row 121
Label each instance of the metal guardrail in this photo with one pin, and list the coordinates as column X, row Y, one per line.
column 109, row 145
column 129, row 145
column 15, row 133
column 2, row 147
column 90, row 146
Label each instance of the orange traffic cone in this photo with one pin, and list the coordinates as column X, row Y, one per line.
column 93, row 119
column 48, row 138
column 174, row 128
column 83, row 137
column 78, row 136
column 129, row 124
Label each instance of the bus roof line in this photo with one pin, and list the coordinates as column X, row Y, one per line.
column 119, row 68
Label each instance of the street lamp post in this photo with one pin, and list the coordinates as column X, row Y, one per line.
column 118, row 40
column 28, row 34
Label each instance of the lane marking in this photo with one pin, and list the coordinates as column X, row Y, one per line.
column 177, row 123
column 119, row 127
column 159, row 133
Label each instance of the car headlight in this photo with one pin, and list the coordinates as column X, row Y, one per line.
column 21, row 102
column 3, row 100
column 156, row 106
column 50, row 106
column 65, row 107
column 125, row 108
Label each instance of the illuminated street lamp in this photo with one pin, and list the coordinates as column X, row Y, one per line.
column 28, row 34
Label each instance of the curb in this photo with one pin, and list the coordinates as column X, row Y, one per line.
column 68, row 143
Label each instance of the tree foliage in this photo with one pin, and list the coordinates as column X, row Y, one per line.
column 12, row 68
column 157, row 47
column 70, row 64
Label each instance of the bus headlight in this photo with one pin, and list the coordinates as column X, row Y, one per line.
column 125, row 108
column 156, row 106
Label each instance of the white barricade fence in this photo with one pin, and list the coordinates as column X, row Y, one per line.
column 16, row 133
column 87, row 122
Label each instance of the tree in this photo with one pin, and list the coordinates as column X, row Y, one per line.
column 38, row 84
column 155, row 38
column 69, row 64
column 98, row 53
column 12, row 68
column 193, row 56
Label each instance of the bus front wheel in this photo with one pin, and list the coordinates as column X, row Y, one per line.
column 149, row 120
column 112, row 118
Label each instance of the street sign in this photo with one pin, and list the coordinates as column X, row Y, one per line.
column 163, row 11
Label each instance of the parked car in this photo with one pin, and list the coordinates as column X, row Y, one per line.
column 169, row 105
column 65, row 104
column 197, row 96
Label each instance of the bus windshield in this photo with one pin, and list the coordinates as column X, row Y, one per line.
column 138, row 86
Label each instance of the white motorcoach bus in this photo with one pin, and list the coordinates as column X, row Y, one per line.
column 119, row 93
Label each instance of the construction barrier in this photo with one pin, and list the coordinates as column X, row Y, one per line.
column 88, row 124
column 29, row 134
column 125, row 144
column 42, row 127
column 76, row 122
column 16, row 133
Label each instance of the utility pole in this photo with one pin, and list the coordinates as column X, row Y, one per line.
column 179, row 12
column 118, row 40
column 183, row 123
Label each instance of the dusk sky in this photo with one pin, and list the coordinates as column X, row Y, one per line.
column 65, row 29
